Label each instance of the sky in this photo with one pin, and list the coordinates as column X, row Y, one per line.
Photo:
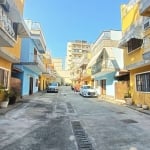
column 63, row 21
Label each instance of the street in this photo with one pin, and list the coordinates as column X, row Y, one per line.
column 68, row 121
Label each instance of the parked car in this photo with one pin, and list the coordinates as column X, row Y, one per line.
column 52, row 87
column 88, row 91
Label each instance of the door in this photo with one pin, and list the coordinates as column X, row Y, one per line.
column 31, row 86
column 103, row 87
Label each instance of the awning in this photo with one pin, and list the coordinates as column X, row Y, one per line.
column 133, row 32
column 93, row 60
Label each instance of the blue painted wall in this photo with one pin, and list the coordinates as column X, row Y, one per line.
column 26, row 76
column 110, row 83
column 27, row 50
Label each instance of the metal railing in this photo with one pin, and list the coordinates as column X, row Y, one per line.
column 6, row 24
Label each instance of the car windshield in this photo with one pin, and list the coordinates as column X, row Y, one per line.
column 87, row 87
column 53, row 84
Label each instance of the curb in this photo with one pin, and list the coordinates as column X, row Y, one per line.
column 121, row 102
column 147, row 112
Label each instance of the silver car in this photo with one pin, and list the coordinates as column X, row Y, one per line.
column 88, row 91
column 52, row 87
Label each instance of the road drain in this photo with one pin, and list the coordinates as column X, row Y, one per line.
column 70, row 108
column 81, row 137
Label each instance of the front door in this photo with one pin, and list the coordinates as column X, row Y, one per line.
column 103, row 87
column 31, row 86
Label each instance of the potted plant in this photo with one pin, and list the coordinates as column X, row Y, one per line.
column 5, row 100
column 13, row 94
column 128, row 98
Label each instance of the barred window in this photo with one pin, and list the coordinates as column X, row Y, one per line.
column 4, row 75
column 134, row 44
column 143, row 82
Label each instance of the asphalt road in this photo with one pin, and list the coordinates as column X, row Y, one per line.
column 68, row 121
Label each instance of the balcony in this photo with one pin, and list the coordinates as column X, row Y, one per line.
column 7, row 33
column 15, row 15
column 36, row 64
column 37, row 35
column 105, row 66
column 145, row 7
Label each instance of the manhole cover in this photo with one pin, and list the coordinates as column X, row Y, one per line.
column 129, row 121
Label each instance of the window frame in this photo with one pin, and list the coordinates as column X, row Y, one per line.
column 142, row 86
column 4, row 79
column 131, row 44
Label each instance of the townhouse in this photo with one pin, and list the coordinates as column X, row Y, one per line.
column 135, row 42
column 34, row 66
column 107, row 60
column 12, row 29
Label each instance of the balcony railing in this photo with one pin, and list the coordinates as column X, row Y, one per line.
column 106, row 65
column 7, row 30
column 37, row 35
column 145, row 8
column 40, row 63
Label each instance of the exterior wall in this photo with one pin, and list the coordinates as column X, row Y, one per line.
column 129, row 15
column 139, row 97
column 15, row 51
column 121, row 87
column 43, row 82
column 16, row 84
column 132, row 57
column 5, row 64
column 20, row 5
column 119, row 58
column 110, row 84
column 58, row 67
column 27, row 51
column 25, row 85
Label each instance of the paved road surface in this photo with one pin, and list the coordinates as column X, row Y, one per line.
column 68, row 121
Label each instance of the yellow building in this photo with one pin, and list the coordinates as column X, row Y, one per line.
column 85, row 72
column 12, row 29
column 136, row 51
column 47, row 76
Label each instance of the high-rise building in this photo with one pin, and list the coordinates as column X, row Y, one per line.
column 75, row 51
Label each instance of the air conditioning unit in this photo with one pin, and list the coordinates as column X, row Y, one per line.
column 5, row 5
column 146, row 24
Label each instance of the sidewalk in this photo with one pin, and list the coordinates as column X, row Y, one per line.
column 26, row 98
column 3, row 111
column 122, row 102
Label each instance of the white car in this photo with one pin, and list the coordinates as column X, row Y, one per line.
column 88, row 91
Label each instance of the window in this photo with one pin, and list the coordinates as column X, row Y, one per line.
column 4, row 74
column 143, row 82
column 133, row 44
